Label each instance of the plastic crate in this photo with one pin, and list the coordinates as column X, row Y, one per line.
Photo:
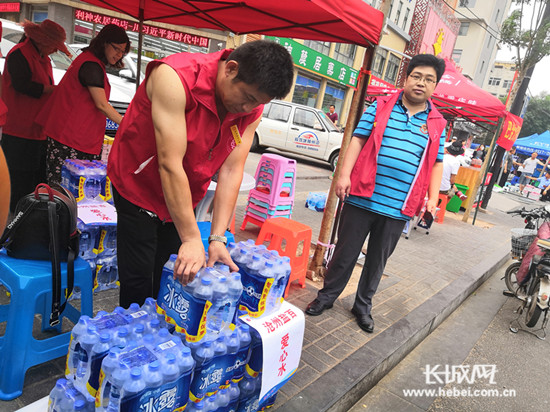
column 521, row 240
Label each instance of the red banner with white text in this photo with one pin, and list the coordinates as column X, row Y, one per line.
column 510, row 131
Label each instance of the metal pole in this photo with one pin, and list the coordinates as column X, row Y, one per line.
column 140, row 41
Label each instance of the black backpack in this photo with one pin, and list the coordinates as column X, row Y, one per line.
column 44, row 228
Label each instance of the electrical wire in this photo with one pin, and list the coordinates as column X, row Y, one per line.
column 484, row 27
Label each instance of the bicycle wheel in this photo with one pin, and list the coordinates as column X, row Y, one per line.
column 533, row 310
column 510, row 277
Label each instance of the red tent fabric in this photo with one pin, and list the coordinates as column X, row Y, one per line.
column 459, row 96
column 344, row 21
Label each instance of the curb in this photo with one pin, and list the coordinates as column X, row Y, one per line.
column 345, row 384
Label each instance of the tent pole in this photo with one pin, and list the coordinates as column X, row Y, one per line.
column 140, row 41
column 316, row 268
column 484, row 172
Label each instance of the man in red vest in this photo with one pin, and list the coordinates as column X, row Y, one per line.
column 395, row 156
column 193, row 116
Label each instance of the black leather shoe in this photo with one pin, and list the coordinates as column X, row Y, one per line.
column 364, row 321
column 315, row 308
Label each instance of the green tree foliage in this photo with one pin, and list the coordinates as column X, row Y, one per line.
column 537, row 116
column 527, row 31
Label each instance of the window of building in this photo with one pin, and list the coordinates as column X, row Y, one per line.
column 398, row 14
column 457, row 54
column 392, row 68
column 320, row 46
column 379, row 62
column 306, row 91
column 506, row 84
column 406, row 19
column 494, row 81
column 464, row 26
column 345, row 53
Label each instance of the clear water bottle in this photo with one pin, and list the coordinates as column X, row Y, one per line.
column 257, row 263
column 204, row 289
column 109, row 242
column 134, row 386
column 108, row 367
column 120, row 375
column 153, row 326
column 170, row 369
column 211, row 403
column 92, row 184
column 243, row 257
column 185, row 361
column 150, row 306
column 234, row 293
column 120, row 339
column 57, row 394
column 223, row 399
column 87, row 342
column 73, row 354
column 137, row 332
column 153, row 377
column 231, row 248
column 232, row 343
column 195, row 406
column 219, row 346
column 163, row 336
column 234, row 395
column 204, row 353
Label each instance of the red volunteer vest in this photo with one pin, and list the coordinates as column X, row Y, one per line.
column 71, row 117
column 133, row 164
column 23, row 109
column 363, row 175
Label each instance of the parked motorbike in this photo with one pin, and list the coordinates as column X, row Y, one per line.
column 528, row 279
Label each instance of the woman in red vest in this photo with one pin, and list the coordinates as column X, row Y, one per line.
column 74, row 121
column 27, row 83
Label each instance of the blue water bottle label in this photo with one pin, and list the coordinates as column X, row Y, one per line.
column 241, row 359
column 208, row 378
column 255, row 292
column 181, row 309
column 95, row 368
column 172, row 396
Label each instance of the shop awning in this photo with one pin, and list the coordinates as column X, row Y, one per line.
column 343, row 21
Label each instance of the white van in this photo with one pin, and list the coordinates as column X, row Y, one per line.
column 298, row 129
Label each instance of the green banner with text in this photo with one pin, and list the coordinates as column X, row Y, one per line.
column 316, row 62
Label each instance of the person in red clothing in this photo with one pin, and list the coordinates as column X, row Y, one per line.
column 27, row 83
column 193, row 116
column 394, row 158
column 83, row 97
column 332, row 115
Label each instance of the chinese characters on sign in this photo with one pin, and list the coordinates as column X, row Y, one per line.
column 97, row 213
column 278, row 321
column 284, row 355
column 134, row 26
column 317, row 62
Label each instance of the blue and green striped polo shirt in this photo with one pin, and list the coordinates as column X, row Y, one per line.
column 405, row 139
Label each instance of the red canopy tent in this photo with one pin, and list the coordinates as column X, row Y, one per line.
column 459, row 96
column 344, row 21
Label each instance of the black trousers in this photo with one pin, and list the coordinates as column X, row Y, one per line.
column 144, row 244
column 355, row 225
column 26, row 161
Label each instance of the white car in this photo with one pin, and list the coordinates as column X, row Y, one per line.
column 298, row 129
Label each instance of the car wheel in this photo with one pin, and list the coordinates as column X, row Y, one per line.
column 255, row 144
column 333, row 160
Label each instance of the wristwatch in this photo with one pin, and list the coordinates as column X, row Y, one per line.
column 217, row 238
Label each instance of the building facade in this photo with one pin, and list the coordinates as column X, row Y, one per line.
column 500, row 79
column 476, row 45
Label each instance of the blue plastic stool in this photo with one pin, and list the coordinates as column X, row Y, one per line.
column 29, row 283
column 204, row 227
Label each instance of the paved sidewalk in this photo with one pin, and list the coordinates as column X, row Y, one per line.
column 427, row 277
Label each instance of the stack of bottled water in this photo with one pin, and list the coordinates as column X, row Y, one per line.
column 207, row 305
column 127, row 360
column 64, row 397
column 98, row 248
column 86, row 180
column 316, row 201
column 264, row 275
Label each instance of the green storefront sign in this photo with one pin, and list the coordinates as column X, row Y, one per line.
column 316, row 62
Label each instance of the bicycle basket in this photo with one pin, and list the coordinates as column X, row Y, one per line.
column 521, row 240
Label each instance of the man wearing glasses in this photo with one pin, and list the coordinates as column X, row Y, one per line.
column 395, row 156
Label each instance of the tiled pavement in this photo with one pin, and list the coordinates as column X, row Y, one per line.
column 426, row 277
